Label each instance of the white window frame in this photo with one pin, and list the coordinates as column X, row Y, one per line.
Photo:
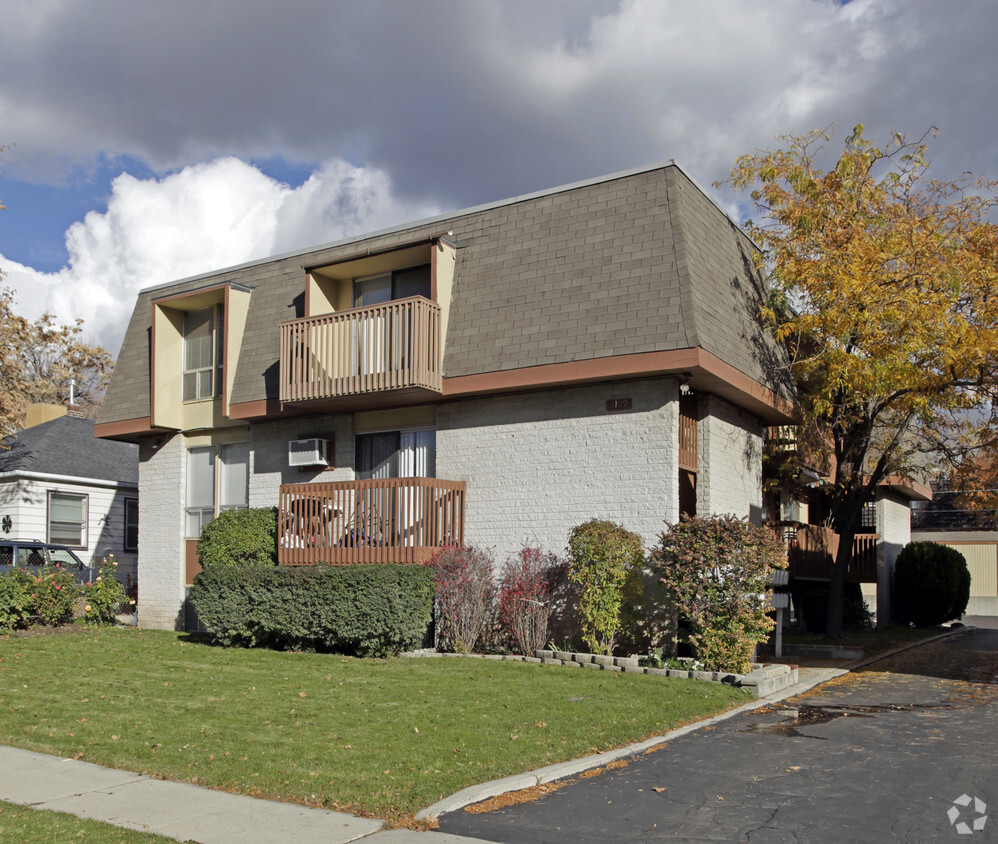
column 202, row 511
column 209, row 373
column 84, row 520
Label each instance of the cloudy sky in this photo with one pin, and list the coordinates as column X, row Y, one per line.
column 148, row 141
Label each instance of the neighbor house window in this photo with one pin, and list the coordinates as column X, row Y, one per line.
column 217, row 480
column 131, row 542
column 68, row 519
column 202, row 375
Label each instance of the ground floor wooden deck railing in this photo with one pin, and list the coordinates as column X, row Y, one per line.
column 813, row 549
column 390, row 520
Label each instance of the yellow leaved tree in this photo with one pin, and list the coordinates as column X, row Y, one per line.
column 884, row 287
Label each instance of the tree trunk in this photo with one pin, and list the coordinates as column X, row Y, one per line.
column 837, row 583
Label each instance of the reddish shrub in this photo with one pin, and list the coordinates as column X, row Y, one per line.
column 525, row 597
column 465, row 595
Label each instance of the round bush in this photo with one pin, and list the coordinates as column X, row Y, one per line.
column 240, row 537
column 932, row 584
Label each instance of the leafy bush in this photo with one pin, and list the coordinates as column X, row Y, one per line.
column 465, row 593
column 104, row 596
column 525, row 597
column 601, row 555
column 717, row 571
column 373, row 610
column 932, row 584
column 53, row 596
column 240, row 537
column 15, row 600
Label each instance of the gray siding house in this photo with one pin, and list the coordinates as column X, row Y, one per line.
column 493, row 376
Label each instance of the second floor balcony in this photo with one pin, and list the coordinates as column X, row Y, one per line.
column 389, row 348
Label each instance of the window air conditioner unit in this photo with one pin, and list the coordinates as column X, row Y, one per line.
column 311, row 452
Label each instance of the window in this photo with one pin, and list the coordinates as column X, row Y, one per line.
column 400, row 284
column 868, row 522
column 202, row 353
column 131, row 542
column 233, row 485
column 396, row 454
column 224, row 468
column 200, row 489
column 68, row 519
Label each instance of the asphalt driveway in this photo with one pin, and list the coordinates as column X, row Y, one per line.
column 878, row 755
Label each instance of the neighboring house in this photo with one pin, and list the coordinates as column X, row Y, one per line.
column 493, row 376
column 58, row 484
column 800, row 512
column 972, row 532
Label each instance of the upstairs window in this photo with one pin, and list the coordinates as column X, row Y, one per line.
column 203, row 353
column 399, row 284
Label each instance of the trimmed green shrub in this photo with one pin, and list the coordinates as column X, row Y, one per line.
column 717, row 570
column 240, row 537
column 15, row 600
column 465, row 595
column 374, row 610
column 932, row 584
column 601, row 555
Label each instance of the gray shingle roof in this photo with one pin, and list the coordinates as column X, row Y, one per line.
column 67, row 446
column 636, row 262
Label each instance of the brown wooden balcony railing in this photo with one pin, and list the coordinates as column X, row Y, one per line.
column 392, row 346
column 390, row 520
column 812, row 550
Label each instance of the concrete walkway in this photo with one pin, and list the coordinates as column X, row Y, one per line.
column 191, row 813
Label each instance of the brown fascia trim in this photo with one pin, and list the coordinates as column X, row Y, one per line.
column 197, row 291
column 706, row 372
column 126, row 430
column 909, row 488
column 262, row 409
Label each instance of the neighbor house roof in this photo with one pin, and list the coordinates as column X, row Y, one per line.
column 67, row 447
column 632, row 265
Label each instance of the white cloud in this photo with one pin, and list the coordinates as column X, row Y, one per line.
column 206, row 217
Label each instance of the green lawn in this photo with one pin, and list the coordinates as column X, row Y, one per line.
column 23, row 824
column 384, row 738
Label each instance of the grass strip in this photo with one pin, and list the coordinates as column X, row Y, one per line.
column 382, row 738
column 23, row 824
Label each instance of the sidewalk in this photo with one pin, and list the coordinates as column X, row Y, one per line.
column 206, row 816
column 182, row 811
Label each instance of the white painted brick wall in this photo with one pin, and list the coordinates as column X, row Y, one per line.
column 269, row 455
column 538, row 464
column 893, row 523
column 729, row 458
column 161, row 534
